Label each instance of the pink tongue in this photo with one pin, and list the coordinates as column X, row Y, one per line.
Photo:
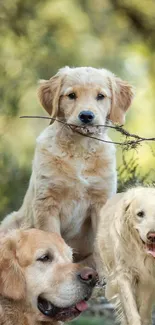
column 151, row 253
column 81, row 306
column 151, row 249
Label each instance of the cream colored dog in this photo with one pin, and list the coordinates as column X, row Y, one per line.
column 125, row 248
column 73, row 175
column 39, row 284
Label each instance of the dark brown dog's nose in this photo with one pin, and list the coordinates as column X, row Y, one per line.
column 88, row 276
column 151, row 236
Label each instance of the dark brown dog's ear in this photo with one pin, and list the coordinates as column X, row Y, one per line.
column 122, row 95
column 12, row 282
column 49, row 94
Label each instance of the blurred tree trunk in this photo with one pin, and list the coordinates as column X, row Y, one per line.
column 143, row 21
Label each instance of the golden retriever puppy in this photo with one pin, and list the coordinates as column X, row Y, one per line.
column 125, row 247
column 39, row 284
column 73, row 175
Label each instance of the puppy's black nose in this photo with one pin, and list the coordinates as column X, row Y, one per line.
column 86, row 116
column 88, row 276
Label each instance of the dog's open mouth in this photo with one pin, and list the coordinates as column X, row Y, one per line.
column 150, row 248
column 60, row 314
column 150, row 244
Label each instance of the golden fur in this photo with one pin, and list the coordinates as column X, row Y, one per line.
column 24, row 278
column 73, row 175
column 123, row 256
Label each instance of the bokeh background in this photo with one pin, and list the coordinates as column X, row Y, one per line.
column 39, row 37
column 36, row 39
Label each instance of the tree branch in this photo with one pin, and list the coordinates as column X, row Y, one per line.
column 127, row 144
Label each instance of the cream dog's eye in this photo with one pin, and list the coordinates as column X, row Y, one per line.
column 100, row 97
column 141, row 214
column 45, row 258
column 72, row 96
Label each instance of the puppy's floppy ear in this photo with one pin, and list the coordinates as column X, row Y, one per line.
column 122, row 95
column 49, row 94
column 12, row 282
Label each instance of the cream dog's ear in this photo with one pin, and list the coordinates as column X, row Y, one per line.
column 122, row 95
column 12, row 281
column 49, row 94
column 128, row 199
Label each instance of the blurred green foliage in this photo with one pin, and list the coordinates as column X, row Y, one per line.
column 83, row 320
column 39, row 37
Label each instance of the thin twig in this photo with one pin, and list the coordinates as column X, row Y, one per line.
column 129, row 143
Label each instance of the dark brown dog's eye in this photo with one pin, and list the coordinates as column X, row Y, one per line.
column 45, row 258
column 141, row 214
column 72, row 96
column 100, row 97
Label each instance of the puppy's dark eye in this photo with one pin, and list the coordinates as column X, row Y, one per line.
column 45, row 258
column 72, row 96
column 100, row 97
column 141, row 214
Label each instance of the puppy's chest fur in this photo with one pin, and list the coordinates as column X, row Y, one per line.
column 79, row 176
column 86, row 167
